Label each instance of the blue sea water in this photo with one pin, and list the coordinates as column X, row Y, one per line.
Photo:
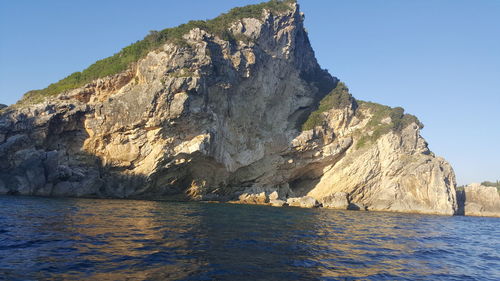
column 90, row 239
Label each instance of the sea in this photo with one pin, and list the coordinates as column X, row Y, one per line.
column 101, row 239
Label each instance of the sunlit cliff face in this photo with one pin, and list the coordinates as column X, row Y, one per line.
column 213, row 119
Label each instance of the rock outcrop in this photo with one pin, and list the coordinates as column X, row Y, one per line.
column 478, row 200
column 337, row 200
column 219, row 119
column 303, row 202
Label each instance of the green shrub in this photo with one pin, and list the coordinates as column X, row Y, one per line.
column 314, row 119
column 489, row 183
column 376, row 134
column 494, row 184
column 398, row 121
column 339, row 97
column 132, row 53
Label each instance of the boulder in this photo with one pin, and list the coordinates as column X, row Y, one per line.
column 274, row 195
column 277, row 203
column 303, row 202
column 337, row 200
column 253, row 198
column 357, row 207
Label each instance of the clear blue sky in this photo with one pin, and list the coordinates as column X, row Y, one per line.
column 439, row 59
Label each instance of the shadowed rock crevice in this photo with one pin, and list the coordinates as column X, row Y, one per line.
column 461, row 202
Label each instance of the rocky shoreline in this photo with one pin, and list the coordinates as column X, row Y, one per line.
column 474, row 200
column 482, row 201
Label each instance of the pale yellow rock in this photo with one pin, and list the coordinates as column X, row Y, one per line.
column 277, row 203
column 274, row 195
column 256, row 198
column 303, row 202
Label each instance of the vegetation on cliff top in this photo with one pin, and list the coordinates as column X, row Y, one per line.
column 340, row 97
column 383, row 120
column 494, row 184
column 132, row 53
column 484, row 183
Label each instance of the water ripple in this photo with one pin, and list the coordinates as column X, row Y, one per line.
column 144, row 240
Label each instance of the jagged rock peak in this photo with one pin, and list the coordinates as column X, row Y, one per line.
column 239, row 24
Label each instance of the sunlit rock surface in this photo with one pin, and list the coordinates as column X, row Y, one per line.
column 220, row 120
column 479, row 200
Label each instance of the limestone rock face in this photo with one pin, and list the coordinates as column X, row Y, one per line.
column 220, row 120
column 395, row 172
column 479, row 200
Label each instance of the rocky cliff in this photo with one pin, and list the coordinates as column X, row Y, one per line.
column 479, row 200
column 252, row 118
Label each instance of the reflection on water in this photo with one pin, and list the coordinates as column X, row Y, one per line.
column 117, row 240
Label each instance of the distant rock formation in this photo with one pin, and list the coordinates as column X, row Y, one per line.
column 479, row 200
column 222, row 119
